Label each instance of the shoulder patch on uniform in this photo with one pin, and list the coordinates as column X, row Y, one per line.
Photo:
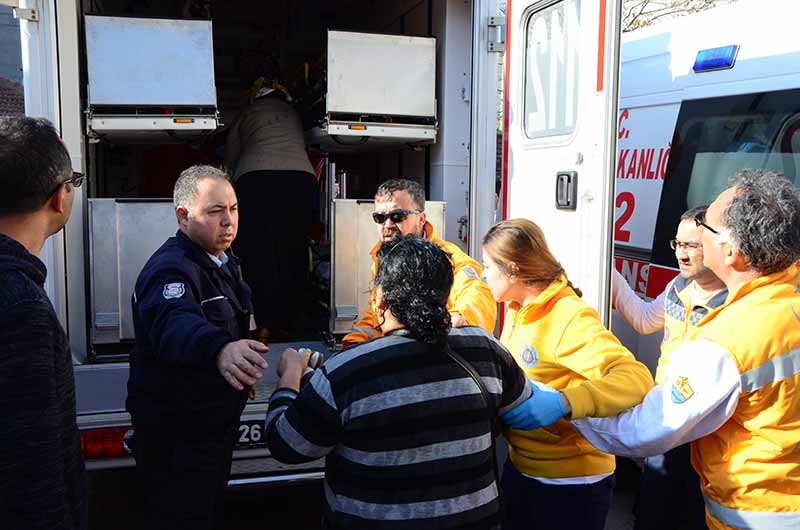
column 681, row 390
column 529, row 356
column 469, row 272
column 174, row 290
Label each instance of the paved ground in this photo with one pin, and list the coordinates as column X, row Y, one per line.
column 297, row 507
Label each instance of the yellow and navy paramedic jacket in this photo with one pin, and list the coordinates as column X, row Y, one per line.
column 672, row 311
column 469, row 297
column 681, row 318
column 559, row 340
column 733, row 390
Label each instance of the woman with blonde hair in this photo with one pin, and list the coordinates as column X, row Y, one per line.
column 554, row 478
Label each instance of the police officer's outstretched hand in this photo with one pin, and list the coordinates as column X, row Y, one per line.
column 241, row 363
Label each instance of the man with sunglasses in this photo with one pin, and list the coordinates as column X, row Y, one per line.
column 693, row 294
column 400, row 211
column 732, row 389
column 43, row 479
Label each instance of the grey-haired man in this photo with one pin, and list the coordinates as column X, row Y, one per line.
column 192, row 366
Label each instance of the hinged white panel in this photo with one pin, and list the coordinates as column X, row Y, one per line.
column 147, row 61
column 381, row 74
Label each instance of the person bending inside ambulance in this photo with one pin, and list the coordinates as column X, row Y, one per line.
column 400, row 211
column 192, row 366
column 693, row 294
column 554, row 478
column 265, row 154
column 733, row 390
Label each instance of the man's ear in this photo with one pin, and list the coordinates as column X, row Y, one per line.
column 182, row 214
column 733, row 258
column 60, row 199
column 423, row 218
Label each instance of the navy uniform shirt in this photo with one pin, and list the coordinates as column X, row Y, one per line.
column 186, row 308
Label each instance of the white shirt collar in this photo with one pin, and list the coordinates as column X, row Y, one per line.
column 218, row 261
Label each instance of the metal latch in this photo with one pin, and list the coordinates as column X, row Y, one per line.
column 21, row 13
column 567, row 190
column 498, row 23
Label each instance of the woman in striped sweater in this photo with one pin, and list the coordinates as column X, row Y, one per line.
column 405, row 428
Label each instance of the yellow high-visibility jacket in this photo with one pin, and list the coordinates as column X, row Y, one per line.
column 470, row 297
column 750, row 467
column 559, row 340
column 681, row 318
column 733, row 392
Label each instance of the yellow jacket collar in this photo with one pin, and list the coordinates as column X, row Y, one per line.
column 541, row 304
column 789, row 275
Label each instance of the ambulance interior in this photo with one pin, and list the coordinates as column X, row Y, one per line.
column 132, row 173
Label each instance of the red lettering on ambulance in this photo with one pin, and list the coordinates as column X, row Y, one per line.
column 623, row 155
column 631, row 174
column 645, row 159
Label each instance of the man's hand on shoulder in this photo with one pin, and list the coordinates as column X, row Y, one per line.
column 241, row 363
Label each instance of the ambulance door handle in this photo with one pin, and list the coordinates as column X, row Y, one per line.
column 567, row 190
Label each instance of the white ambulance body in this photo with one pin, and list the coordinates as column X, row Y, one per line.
column 700, row 97
column 561, row 95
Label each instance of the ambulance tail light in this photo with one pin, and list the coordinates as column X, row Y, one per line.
column 110, row 442
column 722, row 58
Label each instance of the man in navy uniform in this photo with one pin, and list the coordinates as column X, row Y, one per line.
column 193, row 366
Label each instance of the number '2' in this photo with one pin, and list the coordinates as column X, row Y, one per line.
column 629, row 200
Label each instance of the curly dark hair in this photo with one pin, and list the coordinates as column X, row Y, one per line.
column 416, row 276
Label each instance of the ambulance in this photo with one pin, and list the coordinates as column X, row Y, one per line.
column 700, row 97
column 139, row 90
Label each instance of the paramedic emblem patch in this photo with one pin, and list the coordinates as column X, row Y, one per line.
column 174, row 290
column 529, row 356
column 469, row 272
column 681, row 391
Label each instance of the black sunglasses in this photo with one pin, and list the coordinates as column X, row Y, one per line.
column 76, row 180
column 699, row 220
column 397, row 216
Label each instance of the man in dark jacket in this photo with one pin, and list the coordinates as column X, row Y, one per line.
column 42, row 475
column 192, row 367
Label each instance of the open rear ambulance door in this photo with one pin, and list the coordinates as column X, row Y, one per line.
column 560, row 131
column 39, row 58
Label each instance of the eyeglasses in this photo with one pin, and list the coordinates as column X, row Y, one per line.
column 76, row 180
column 699, row 220
column 397, row 216
column 675, row 244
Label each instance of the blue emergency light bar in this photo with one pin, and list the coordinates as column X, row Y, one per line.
column 721, row 58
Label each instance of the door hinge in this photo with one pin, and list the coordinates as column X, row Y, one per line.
column 498, row 24
column 21, row 13
column 31, row 15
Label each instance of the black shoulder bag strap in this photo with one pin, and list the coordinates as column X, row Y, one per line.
column 493, row 421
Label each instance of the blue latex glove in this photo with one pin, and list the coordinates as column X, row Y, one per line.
column 543, row 408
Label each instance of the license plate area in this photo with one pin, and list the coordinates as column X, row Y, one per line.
column 250, row 434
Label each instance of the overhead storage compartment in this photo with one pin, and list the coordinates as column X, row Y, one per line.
column 149, row 79
column 381, row 91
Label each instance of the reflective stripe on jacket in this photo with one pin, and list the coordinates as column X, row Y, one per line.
column 750, row 466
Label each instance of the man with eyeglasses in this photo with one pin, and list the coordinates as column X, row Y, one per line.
column 400, row 211
column 690, row 296
column 43, row 479
column 732, row 389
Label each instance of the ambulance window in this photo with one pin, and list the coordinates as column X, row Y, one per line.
column 551, row 70
column 11, row 93
column 716, row 137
